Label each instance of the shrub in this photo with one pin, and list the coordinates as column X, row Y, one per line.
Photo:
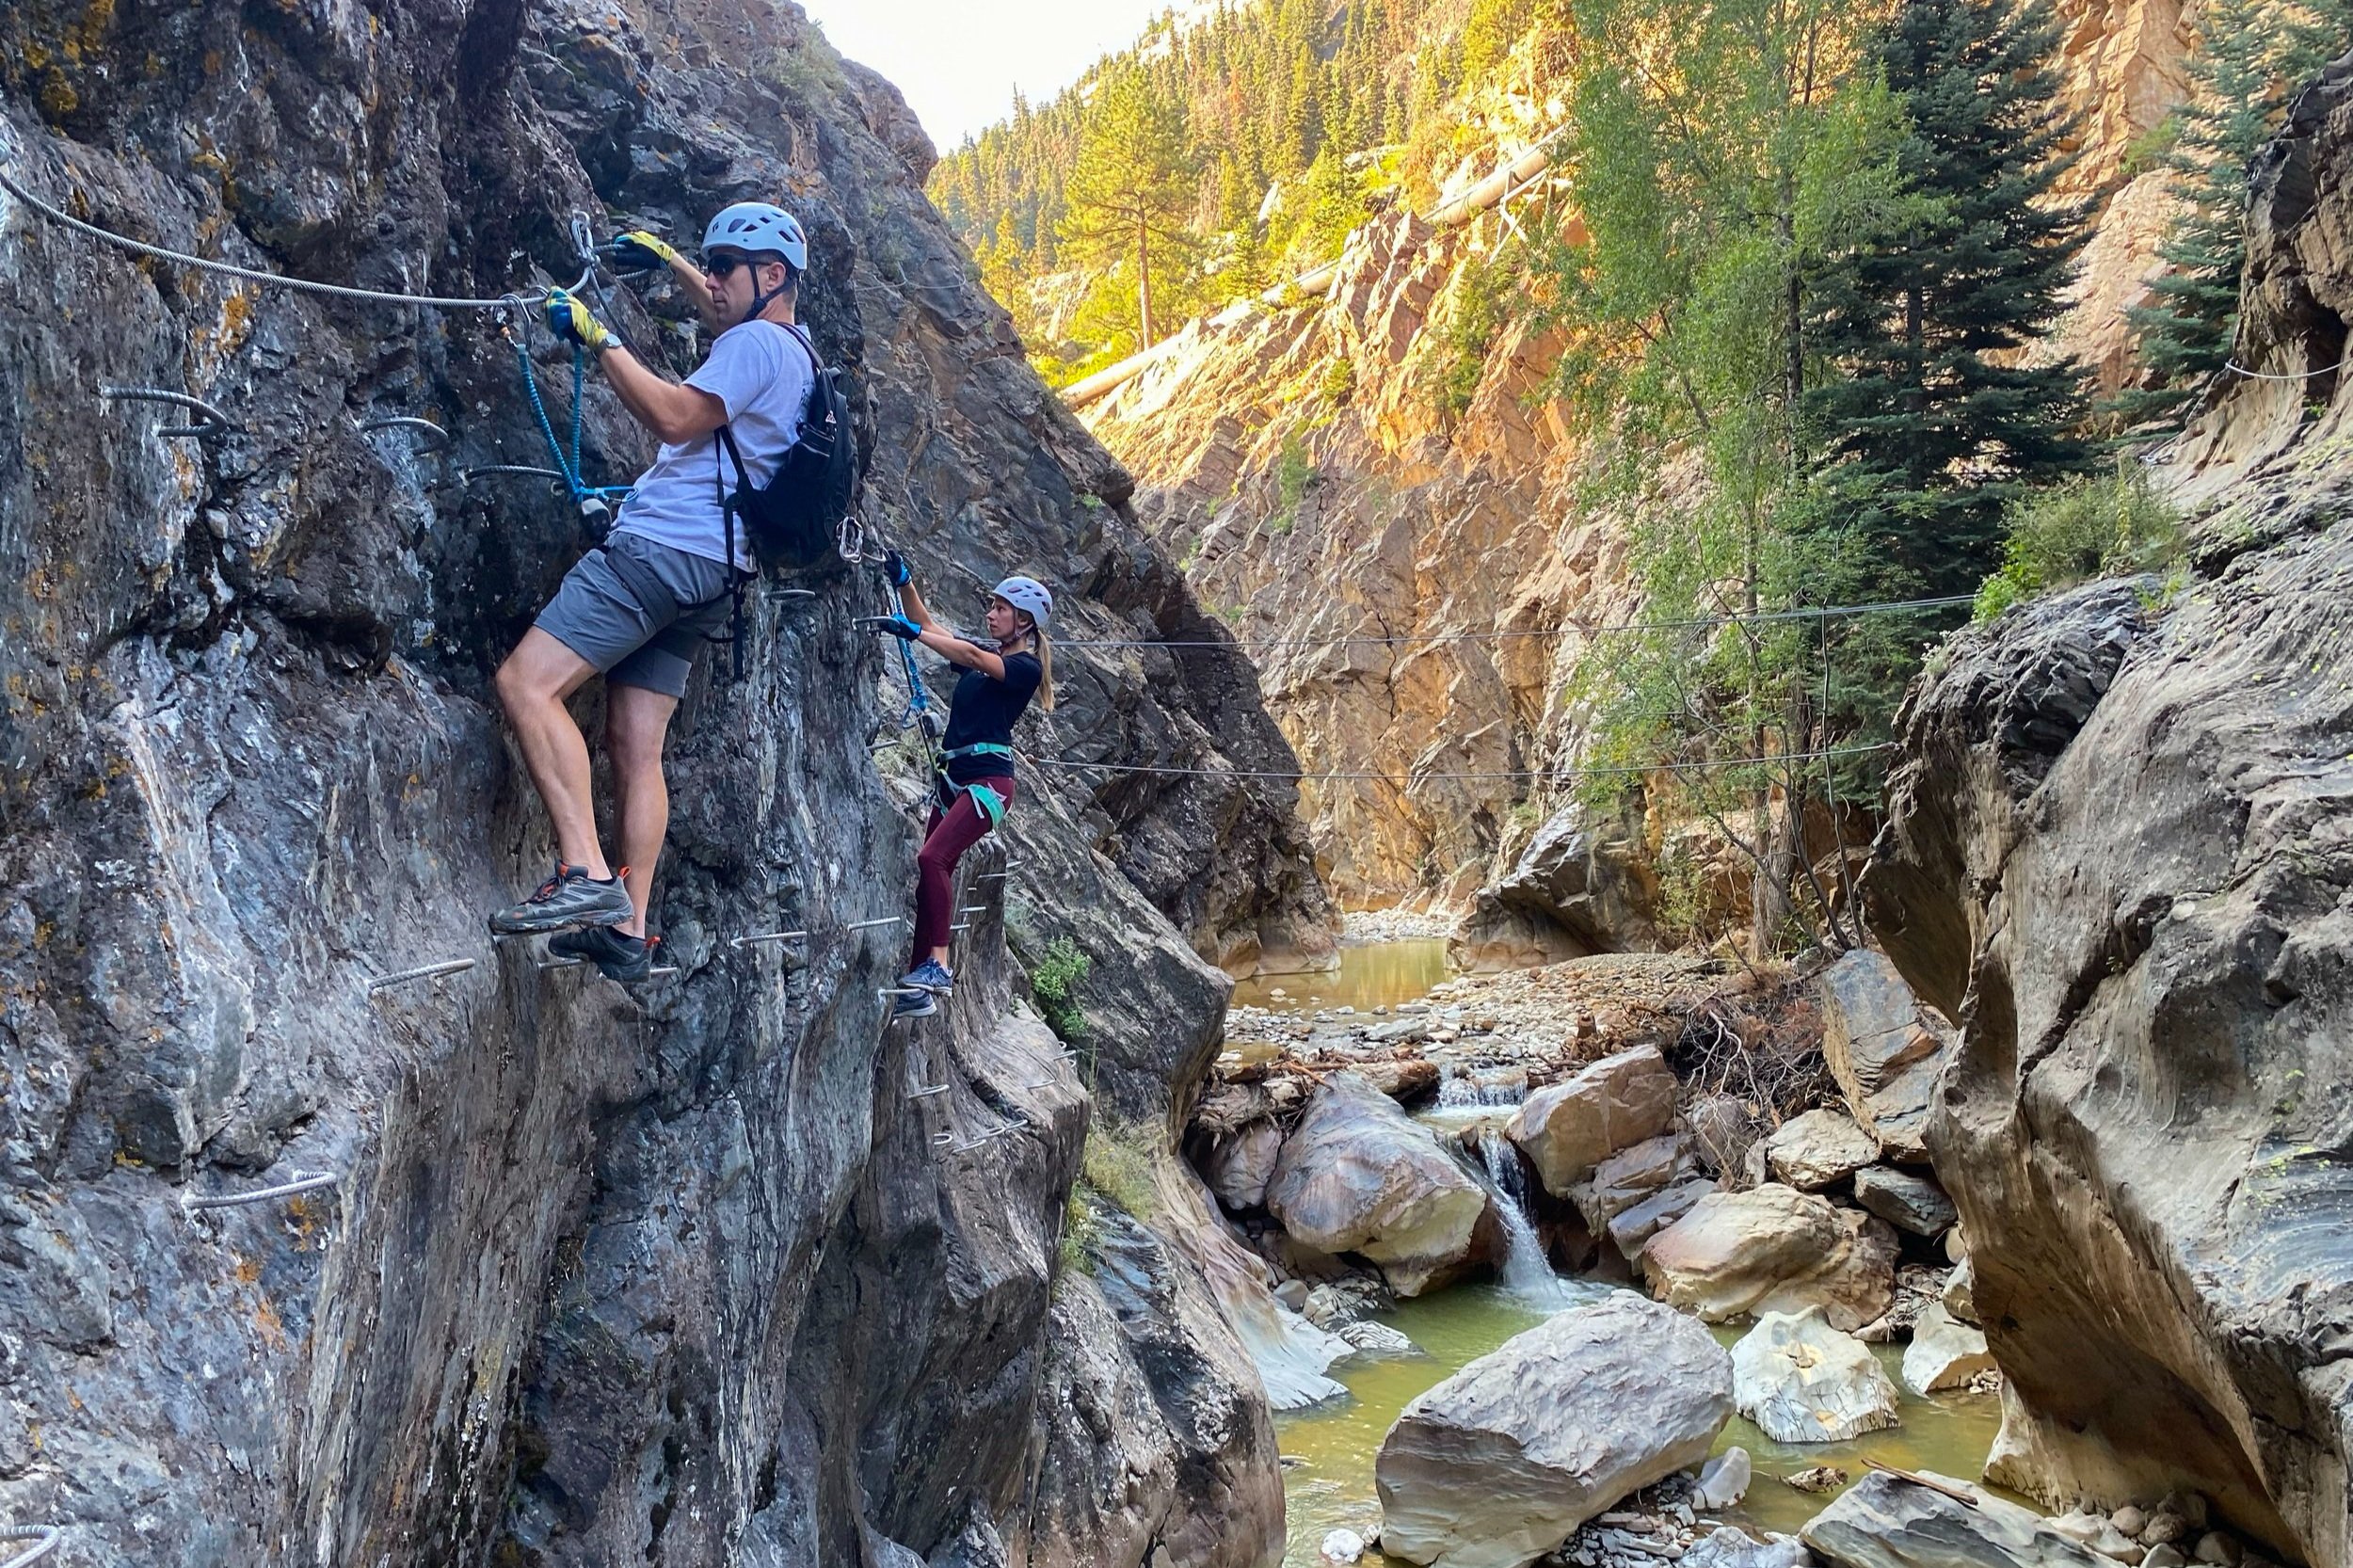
column 2104, row 525
column 1055, row 984
column 1294, row 470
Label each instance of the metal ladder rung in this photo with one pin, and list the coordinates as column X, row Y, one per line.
column 758, row 937
column 869, row 925
column 427, row 971
column 927, row 1092
column 191, row 1203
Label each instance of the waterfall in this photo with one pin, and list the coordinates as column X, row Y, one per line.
column 1527, row 1273
column 1476, row 1090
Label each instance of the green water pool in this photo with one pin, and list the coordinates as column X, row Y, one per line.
column 1371, row 974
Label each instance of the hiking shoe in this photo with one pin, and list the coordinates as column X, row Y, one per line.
column 627, row 959
column 914, row 1004
column 930, row 975
column 572, row 897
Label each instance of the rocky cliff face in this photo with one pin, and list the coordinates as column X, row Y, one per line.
column 686, row 1276
column 2115, row 856
column 1308, row 464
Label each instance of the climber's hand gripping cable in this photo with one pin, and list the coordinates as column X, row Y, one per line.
column 571, row 319
column 640, row 251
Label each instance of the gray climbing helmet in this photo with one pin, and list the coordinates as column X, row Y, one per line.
column 756, row 227
column 1027, row 594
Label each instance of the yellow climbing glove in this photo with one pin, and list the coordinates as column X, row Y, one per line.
column 568, row 317
column 641, row 251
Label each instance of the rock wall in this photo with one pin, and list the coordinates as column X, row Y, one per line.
column 2115, row 858
column 1304, row 462
column 684, row 1276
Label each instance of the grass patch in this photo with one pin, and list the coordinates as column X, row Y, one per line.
column 1056, row 983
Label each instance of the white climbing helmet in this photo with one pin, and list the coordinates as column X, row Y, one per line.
column 756, row 228
column 1027, row 594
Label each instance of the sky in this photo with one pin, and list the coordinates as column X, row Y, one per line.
column 958, row 62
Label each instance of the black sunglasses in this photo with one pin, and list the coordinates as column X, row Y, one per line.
column 724, row 266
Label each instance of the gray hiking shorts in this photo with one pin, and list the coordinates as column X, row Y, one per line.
column 640, row 612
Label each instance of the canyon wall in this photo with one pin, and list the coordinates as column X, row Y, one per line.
column 1362, row 465
column 687, row 1276
column 2115, row 856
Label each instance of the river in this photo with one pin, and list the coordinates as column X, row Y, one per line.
column 1328, row 1451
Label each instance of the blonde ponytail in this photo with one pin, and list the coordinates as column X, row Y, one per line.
column 1045, row 667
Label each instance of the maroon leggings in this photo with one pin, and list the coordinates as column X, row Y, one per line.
column 951, row 833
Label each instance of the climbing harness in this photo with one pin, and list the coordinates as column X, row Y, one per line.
column 46, row 1539
column 428, row 971
column 213, row 424
column 436, row 438
column 273, row 280
column 191, row 1203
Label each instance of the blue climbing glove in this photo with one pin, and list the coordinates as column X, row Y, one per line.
column 894, row 567
column 640, row 251
column 898, row 626
column 568, row 318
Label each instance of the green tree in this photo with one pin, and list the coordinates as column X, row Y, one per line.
column 1714, row 161
column 2246, row 58
column 1132, row 188
column 1937, row 416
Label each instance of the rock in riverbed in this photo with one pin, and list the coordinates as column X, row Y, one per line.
column 1908, row 1202
column 1359, row 1176
column 1573, row 1126
column 1945, row 1353
column 1885, row 1058
column 1773, row 1249
column 1882, row 1521
column 1501, row 1462
column 1802, row 1381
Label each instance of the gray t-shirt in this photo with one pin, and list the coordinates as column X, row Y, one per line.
column 762, row 374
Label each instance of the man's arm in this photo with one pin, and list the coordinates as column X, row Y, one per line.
column 673, row 412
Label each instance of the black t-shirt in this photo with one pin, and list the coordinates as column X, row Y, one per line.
column 983, row 709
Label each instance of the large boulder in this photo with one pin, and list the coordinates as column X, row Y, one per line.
column 1567, row 1129
column 1631, row 1229
column 1800, row 1381
column 1359, row 1176
column 1886, row 1058
column 1819, row 1150
column 1944, row 1351
column 1881, row 1522
column 1501, row 1462
column 2115, row 850
column 1773, row 1249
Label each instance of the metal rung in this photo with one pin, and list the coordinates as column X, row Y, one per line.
column 45, row 1537
column 561, row 963
column 428, row 971
column 1041, row 1083
column 190, row 1203
column 941, row 1140
column 899, row 991
column 973, row 909
column 766, row 937
column 966, row 927
column 925, row 1093
column 215, row 421
column 869, row 925
column 436, row 440
column 1067, row 1056
column 660, row 968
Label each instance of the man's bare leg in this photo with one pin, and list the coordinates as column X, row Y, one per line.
column 636, row 724
column 532, row 687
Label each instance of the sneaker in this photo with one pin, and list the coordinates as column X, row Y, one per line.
column 627, row 959
column 572, row 897
column 930, row 975
column 914, row 1004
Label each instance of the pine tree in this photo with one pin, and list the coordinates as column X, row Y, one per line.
column 2246, row 55
column 1132, row 188
column 1935, row 418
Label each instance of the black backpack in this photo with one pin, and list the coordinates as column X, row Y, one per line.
column 789, row 521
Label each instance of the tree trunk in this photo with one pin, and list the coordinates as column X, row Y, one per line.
column 1144, row 280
